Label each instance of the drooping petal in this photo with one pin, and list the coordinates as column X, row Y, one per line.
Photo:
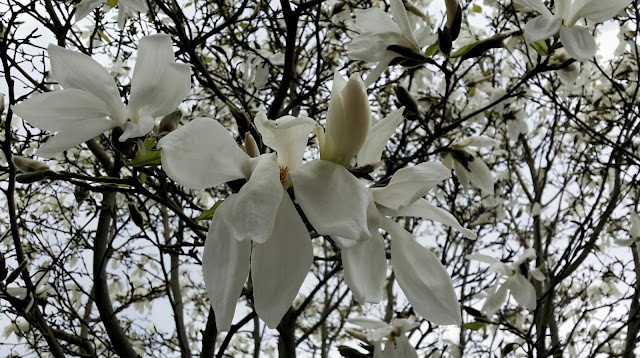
column 158, row 84
column 423, row 209
column 400, row 16
column 365, row 269
column 403, row 348
column 252, row 215
column 541, row 28
column 379, row 135
column 334, row 201
column 202, row 154
column 461, row 173
column 495, row 300
column 280, row 265
column 55, row 110
column 536, row 5
column 523, row 291
column 380, row 68
column 596, row 10
column 225, row 266
column 480, row 175
column 287, row 135
column 578, row 42
column 84, row 7
column 74, row 134
column 75, row 70
column 482, row 258
column 410, row 184
column 137, row 5
column 348, row 120
column 422, row 278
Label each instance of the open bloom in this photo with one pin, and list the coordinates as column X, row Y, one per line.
column 90, row 102
column 576, row 39
column 127, row 8
column 258, row 228
column 379, row 32
column 515, row 282
column 392, row 335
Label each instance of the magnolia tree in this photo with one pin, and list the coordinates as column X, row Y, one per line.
column 320, row 178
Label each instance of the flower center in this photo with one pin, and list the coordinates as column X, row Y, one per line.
column 283, row 175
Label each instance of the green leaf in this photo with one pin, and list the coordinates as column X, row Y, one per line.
column 143, row 178
column 476, row 8
column 208, row 214
column 541, row 48
column 474, row 326
column 432, row 50
column 465, row 49
column 150, row 157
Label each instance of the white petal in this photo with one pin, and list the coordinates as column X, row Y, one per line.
column 422, row 278
column 158, row 84
column 368, row 323
column 280, row 265
column 495, row 300
column 85, row 7
column 529, row 254
column 74, row 70
column 523, row 291
column 137, row 5
column 537, row 274
column 145, row 125
column 596, row 10
column 400, row 16
column 461, row 173
column 348, row 120
column 74, row 134
column 380, row 68
column 375, row 20
column 202, row 154
column 334, row 201
column 541, row 28
column 55, row 110
column 480, row 175
column 410, row 184
column 634, row 231
column 423, row 209
column 536, row 5
column 287, row 135
column 478, row 141
column 225, row 266
column 482, row 258
column 578, row 42
column 253, row 214
column 365, row 269
column 379, row 135
column 403, row 348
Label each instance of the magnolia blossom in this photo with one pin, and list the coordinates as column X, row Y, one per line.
column 379, row 32
column 258, row 228
column 576, row 39
column 515, row 282
column 392, row 335
column 90, row 102
column 468, row 165
column 128, row 8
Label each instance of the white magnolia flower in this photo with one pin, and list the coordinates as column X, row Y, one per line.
column 420, row 275
column 379, row 32
column 396, row 343
column 468, row 165
column 90, row 102
column 127, row 8
column 515, row 282
column 576, row 39
column 259, row 227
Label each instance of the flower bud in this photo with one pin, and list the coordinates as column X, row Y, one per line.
column 169, row 123
column 348, row 120
column 27, row 165
column 250, row 146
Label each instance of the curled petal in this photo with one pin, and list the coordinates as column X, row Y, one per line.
column 578, row 42
column 379, row 135
column 75, row 70
column 252, row 215
column 158, row 84
column 202, row 154
column 410, row 184
column 423, row 209
column 287, row 135
column 365, row 269
column 74, row 134
column 541, row 28
column 422, row 278
column 53, row 111
column 280, row 265
column 225, row 265
column 334, row 201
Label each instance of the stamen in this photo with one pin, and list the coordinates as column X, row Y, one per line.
column 283, row 175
